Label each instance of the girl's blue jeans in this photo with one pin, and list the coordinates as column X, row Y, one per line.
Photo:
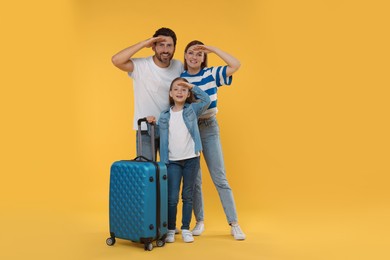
column 181, row 171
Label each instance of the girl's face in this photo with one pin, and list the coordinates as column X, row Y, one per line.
column 179, row 93
column 194, row 59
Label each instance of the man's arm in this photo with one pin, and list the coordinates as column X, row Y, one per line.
column 122, row 59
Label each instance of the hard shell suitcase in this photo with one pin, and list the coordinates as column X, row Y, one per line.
column 138, row 200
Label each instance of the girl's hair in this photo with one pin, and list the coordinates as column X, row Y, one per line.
column 204, row 63
column 190, row 98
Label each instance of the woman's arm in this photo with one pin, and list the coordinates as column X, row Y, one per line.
column 233, row 64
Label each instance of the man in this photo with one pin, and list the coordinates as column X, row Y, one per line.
column 152, row 77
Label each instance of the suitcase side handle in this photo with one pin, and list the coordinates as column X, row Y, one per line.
column 142, row 158
column 151, row 137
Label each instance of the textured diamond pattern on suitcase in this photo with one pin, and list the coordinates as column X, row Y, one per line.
column 133, row 200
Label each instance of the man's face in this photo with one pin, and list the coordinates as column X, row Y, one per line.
column 164, row 50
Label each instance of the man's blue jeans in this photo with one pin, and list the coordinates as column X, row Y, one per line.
column 212, row 152
column 187, row 171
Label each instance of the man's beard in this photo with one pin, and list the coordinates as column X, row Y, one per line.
column 165, row 59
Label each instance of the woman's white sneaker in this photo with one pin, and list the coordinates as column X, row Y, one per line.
column 237, row 232
column 198, row 229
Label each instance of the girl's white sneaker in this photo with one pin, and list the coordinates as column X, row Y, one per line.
column 170, row 236
column 187, row 236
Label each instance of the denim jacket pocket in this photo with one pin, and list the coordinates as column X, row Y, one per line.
column 190, row 115
column 163, row 123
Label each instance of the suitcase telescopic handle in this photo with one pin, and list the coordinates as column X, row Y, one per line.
column 142, row 120
column 152, row 125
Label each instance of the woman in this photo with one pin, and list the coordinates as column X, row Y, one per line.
column 209, row 79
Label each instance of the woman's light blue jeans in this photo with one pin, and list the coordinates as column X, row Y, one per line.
column 212, row 152
column 178, row 170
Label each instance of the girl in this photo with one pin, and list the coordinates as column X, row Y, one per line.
column 209, row 79
column 180, row 147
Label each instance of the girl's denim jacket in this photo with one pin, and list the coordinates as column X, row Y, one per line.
column 191, row 113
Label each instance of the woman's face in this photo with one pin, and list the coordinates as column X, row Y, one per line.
column 194, row 59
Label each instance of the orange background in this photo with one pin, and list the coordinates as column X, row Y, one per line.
column 304, row 126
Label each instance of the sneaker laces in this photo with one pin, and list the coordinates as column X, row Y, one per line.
column 186, row 233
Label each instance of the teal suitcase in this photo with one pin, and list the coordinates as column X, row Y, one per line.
column 138, row 202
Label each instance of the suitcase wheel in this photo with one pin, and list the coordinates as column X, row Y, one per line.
column 160, row 243
column 148, row 246
column 110, row 241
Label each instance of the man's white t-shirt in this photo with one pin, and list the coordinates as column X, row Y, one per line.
column 151, row 87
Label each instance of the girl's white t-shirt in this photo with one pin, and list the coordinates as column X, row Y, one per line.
column 181, row 146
